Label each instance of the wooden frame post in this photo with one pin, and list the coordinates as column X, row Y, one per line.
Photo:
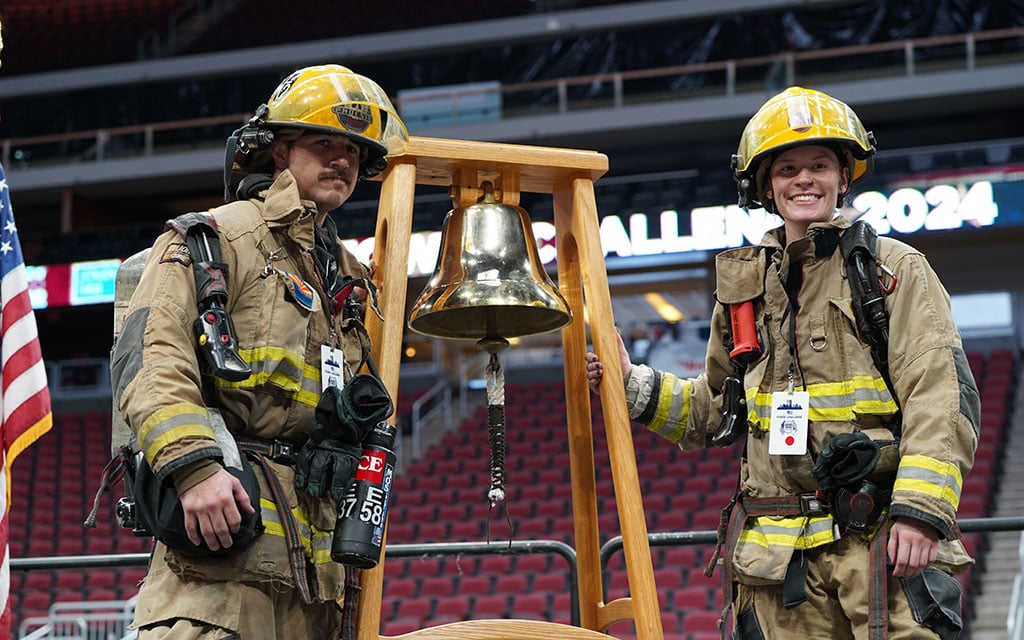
column 569, row 176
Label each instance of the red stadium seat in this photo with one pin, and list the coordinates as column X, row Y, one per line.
column 455, row 607
column 700, row 621
column 490, row 606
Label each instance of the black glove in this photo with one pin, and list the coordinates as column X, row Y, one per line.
column 326, row 466
column 327, row 463
column 360, row 405
column 844, row 460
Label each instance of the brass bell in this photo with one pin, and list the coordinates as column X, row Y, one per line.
column 488, row 281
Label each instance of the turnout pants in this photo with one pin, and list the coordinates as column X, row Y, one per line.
column 837, row 601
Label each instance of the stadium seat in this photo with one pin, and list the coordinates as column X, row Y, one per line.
column 400, row 587
column 693, row 598
column 399, row 626
column 700, row 621
column 454, row 607
column 551, row 583
column 438, row 586
column 531, row 606
column 490, row 606
column 413, row 609
column 513, row 583
column 474, row 583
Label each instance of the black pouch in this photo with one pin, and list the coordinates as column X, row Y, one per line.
column 934, row 598
column 747, row 626
column 158, row 509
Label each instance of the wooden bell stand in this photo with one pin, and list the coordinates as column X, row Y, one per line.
column 568, row 175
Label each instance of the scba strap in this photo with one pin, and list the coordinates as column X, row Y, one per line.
column 859, row 246
column 215, row 333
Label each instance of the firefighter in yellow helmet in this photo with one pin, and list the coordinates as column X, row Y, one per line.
column 833, row 355
column 262, row 374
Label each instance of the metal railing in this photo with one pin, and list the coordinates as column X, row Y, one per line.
column 723, row 77
column 614, row 545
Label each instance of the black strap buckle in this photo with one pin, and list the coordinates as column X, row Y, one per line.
column 811, row 505
column 282, row 452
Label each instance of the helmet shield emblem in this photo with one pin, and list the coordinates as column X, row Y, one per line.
column 354, row 117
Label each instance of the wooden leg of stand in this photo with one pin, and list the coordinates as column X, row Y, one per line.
column 391, row 258
column 622, row 455
column 578, row 419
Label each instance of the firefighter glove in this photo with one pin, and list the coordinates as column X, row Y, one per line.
column 844, row 460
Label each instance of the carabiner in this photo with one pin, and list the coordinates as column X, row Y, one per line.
column 887, row 289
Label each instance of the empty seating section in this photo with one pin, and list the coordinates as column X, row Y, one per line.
column 44, row 36
column 442, row 497
column 53, row 484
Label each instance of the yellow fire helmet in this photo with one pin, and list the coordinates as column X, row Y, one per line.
column 328, row 98
column 798, row 116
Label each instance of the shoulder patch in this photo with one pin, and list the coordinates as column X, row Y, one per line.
column 177, row 252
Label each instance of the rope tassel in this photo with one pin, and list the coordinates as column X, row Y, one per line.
column 495, row 379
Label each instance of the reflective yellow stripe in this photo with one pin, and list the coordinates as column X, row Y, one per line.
column 172, row 423
column 930, row 477
column 830, row 401
column 281, row 368
column 316, row 541
column 666, row 397
column 803, row 532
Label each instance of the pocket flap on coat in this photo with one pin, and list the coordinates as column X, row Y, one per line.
column 740, row 275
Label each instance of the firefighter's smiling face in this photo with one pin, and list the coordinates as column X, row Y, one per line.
column 806, row 182
column 325, row 167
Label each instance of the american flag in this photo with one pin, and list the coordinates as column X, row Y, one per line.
column 24, row 396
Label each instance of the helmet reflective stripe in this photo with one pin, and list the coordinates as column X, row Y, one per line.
column 799, row 116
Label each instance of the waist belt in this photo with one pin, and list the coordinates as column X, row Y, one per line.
column 734, row 518
column 280, row 451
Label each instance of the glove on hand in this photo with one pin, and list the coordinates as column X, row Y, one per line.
column 845, row 459
column 327, row 463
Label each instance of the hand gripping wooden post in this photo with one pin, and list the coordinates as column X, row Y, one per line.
column 568, row 175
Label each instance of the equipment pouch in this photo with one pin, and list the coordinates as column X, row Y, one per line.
column 158, row 507
column 934, row 599
column 752, row 565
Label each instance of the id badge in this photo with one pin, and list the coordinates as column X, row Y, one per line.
column 332, row 371
column 788, row 434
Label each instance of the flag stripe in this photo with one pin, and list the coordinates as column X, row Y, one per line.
column 24, row 397
column 26, row 385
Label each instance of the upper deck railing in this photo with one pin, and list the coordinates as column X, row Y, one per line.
column 618, row 89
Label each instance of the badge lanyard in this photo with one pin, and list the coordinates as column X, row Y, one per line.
column 788, row 423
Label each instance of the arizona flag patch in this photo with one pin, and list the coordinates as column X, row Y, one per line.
column 177, row 252
column 299, row 290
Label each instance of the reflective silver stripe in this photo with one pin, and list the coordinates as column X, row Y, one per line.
column 673, row 411
column 929, row 477
column 801, row 532
column 316, row 541
column 281, row 368
column 831, row 401
column 172, row 423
